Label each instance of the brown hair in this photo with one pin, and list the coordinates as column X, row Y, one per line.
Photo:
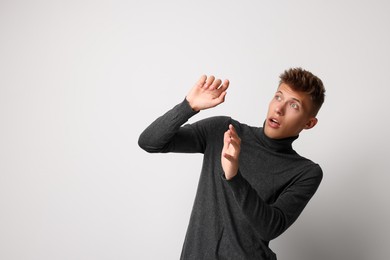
column 304, row 81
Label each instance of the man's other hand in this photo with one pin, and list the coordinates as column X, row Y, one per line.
column 230, row 152
column 208, row 92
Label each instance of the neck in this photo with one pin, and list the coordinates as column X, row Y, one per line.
column 283, row 145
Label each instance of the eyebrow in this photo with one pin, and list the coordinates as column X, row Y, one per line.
column 291, row 98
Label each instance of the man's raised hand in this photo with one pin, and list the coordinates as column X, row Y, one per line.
column 207, row 92
column 230, row 152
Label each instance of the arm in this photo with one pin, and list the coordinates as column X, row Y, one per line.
column 166, row 133
column 269, row 220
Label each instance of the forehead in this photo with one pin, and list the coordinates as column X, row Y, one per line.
column 290, row 93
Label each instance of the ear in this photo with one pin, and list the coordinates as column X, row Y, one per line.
column 311, row 123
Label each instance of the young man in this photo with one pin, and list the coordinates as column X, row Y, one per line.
column 253, row 185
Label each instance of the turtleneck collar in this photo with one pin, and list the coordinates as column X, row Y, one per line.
column 283, row 145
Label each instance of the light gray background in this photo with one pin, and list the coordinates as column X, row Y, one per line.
column 80, row 80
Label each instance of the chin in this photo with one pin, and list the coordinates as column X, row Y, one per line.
column 271, row 133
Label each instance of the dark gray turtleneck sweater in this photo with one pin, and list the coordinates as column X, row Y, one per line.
column 236, row 219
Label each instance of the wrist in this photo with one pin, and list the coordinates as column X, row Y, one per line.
column 230, row 176
column 190, row 103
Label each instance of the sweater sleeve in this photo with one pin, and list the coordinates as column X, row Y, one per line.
column 271, row 220
column 166, row 133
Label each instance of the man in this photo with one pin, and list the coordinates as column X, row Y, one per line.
column 253, row 185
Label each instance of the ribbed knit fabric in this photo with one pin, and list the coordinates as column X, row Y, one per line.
column 236, row 219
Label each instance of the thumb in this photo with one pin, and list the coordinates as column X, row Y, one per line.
column 220, row 99
column 228, row 157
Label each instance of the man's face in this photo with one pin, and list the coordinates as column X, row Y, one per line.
column 289, row 112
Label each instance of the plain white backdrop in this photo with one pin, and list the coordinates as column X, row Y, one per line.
column 80, row 80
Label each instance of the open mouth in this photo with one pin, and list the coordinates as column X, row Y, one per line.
column 274, row 123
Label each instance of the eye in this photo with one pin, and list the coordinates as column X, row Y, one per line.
column 278, row 98
column 294, row 106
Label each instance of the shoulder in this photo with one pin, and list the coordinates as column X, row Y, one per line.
column 217, row 125
column 211, row 127
column 312, row 170
column 215, row 120
column 315, row 168
column 222, row 121
column 246, row 131
column 212, row 123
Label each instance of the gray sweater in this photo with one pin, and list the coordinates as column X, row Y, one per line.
column 236, row 219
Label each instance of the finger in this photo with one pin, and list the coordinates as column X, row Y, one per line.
column 226, row 138
column 224, row 85
column 235, row 140
column 230, row 139
column 234, row 132
column 216, row 84
column 201, row 81
column 235, row 143
column 227, row 142
column 209, row 81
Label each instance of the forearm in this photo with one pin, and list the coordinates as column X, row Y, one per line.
column 268, row 221
column 271, row 220
column 159, row 135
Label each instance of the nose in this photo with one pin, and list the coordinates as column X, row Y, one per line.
column 279, row 109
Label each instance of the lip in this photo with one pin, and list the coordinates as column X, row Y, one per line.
column 273, row 123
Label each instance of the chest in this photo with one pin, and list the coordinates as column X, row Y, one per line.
column 268, row 172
